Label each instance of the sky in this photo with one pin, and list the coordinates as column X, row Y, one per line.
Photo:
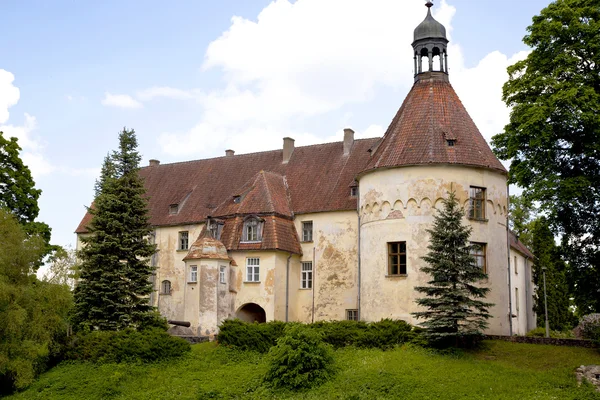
column 196, row 77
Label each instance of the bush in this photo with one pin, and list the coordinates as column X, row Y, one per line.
column 589, row 327
column 540, row 331
column 126, row 346
column 250, row 336
column 300, row 360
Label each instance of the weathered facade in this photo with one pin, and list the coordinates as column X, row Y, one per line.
column 335, row 231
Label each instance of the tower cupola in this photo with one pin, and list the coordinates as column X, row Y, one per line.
column 430, row 48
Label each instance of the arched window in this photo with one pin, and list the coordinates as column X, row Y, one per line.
column 253, row 227
column 165, row 287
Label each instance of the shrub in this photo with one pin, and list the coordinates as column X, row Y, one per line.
column 300, row 360
column 126, row 346
column 540, row 331
column 589, row 327
column 250, row 336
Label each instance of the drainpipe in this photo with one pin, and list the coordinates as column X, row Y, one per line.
column 287, row 288
column 314, row 285
column 510, row 324
column 359, row 276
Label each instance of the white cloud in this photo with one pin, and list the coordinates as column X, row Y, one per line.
column 120, row 100
column 312, row 57
column 9, row 94
column 167, row 92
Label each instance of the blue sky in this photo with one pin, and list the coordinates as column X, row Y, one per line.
column 196, row 77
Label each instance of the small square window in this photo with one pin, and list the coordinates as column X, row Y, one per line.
column 478, row 251
column 396, row 258
column 253, row 269
column 451, row 142
column 193, row 274
column 222, row 270
column 307, row 231
column 183, row 240
column 353, row 191
column 173, row 209
column 477, row 203
column 307, row 275
column 352, row 315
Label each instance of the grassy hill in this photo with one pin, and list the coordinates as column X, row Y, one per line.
column 500, row 370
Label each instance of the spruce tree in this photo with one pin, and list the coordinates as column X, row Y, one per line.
column 113, row 288
column 454, row 308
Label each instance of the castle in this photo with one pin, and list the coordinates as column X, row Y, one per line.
column 336, row 231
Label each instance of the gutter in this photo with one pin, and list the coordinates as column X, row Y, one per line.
column 510, row 314
column 287, row 288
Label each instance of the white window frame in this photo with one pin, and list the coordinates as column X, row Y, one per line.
column 352, row 315
column 183, row 240
column 193, row 274
column 222, row 271
column 306, row 278
column 253, row 229
column 307, row 234
column 253, row 269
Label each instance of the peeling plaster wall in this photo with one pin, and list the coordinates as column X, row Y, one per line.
column 398, row 205
column 171, row 267
column 521, row 279
column 335, row 267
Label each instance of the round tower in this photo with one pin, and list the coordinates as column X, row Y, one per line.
column 431, row 147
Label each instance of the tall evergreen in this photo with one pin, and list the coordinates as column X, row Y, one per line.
column 113, row 288
column 453, row 304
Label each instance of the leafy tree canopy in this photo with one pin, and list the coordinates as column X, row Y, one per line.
column 553, row 137
column 453, row 304
column 113, row 287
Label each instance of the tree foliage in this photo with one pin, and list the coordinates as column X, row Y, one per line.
column 548, row 255
column 62, row 267
column 113, row 288
column 18, row 194
column 453, row 302
column 553, row 137
column 522, row 214
column 33, row 314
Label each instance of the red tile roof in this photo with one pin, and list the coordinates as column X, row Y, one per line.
column 431, row 114
column 318, row 179
column 519, row 246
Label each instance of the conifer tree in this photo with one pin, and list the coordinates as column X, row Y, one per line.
column 454, row 308
column 113, row 288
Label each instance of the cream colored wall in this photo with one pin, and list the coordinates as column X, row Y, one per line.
column 334, row 249
column 521, row 306
column 398, row 205
column 170, row 266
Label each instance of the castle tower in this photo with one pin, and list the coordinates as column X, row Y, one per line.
column 431, row 147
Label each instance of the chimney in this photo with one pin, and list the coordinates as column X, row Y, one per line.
column 348, row 140
column 154, row 163
column 288, row 149
column 229, row 153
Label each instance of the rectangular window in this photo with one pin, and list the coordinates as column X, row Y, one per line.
column 516, row 266
column 397, row 258
column 222, row 270
column 183, row 240
column 477, row 203
column 517, row 300
column 478, row 251
column 307, row 230
column 252, row 230
column 307, row 275
column 353, row 191
column 193, row 273
column 352, row 315
column 252, row 269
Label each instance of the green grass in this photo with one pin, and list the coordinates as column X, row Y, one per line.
column 500, row 370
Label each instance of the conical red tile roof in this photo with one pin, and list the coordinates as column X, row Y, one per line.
column 431, row 115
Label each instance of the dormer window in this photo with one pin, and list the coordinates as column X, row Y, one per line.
column 353, row 191
column 215, row 228
column 252, row 230
column 451, row 142
column 237, row 199
column 173, row 209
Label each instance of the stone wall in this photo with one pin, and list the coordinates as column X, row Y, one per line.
column 542, row 340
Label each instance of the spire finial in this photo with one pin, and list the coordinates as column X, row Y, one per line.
column 429, row 4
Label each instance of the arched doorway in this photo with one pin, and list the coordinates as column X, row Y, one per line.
column 251, row 312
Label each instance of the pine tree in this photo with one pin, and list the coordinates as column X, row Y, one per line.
column 454, row 310
column 113, row 288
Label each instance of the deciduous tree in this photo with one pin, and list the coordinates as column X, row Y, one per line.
column 553, row 136
column 453, row 302
column 113, row 287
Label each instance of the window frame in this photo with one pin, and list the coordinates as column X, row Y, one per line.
column 474, row 200
column 222, row 272
column 307, row 234
column 400, row 255
column 193, row 274
column 352, row 314
column 477, row 256
column 257, row 227
column 252, row 270
column 516, row 266
column 180, row 240
column 517, row 300
column 354, row 191
column 306, row 275
column 163, row 284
